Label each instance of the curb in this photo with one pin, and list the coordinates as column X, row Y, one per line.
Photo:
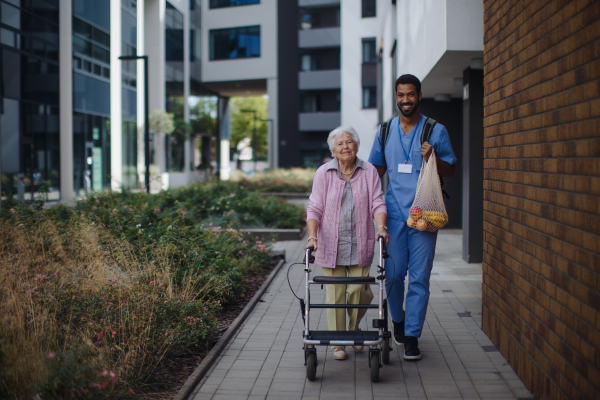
column 210, row 358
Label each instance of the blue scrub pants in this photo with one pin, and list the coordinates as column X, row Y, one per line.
column 412, row 251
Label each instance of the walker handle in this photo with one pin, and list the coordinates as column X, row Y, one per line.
column 383, row 247
column 308, row 255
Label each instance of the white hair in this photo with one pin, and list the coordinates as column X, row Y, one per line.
column 340, row 130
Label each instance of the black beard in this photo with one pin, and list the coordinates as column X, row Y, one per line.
column 411, row 112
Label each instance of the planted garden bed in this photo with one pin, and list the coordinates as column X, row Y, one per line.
column 97, row 298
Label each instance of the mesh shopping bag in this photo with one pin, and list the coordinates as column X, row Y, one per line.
column 428, row 211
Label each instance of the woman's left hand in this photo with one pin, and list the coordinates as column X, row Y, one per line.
column 383, row 232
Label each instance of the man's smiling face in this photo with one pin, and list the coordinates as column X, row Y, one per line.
column 407, row 99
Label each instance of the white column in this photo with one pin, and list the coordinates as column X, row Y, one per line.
column 273, row 127
column 225, row 168
column 141, row 116
column 154, row 36
column 186, row 88
column 116, row 141
column 65, row 69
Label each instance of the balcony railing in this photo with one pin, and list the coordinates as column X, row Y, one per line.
column 320, row 121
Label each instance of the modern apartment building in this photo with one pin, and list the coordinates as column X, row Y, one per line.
column 73, row 113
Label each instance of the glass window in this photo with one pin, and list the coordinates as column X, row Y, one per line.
column 101, row 37
column 101, row 54
column 9, row 123
column 128, row 29
column 82, row 28
column 7, row 37
column 307, row 104
column 173, row 34
column 243, row 42
column 11, row 16
column 369, row 97
column 87, row 66
column 91, row 95
column 320, row 17
column 369, row 51
column 96, row 12
column 369, row 8
column 231, row 3
column 82, row 46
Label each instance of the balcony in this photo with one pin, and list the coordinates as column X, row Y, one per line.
column 318, row 3
column 320, row 37
column 312, row 80
column 322, row 121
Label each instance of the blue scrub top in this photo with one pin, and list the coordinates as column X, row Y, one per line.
column 403, row 187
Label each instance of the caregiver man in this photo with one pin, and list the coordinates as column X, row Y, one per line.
column 412, row 251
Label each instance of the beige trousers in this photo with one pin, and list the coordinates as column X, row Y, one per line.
column 357, row 294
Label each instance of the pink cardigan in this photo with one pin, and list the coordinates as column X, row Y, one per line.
column 325, row 203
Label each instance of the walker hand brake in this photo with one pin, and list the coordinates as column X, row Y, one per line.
column 383, row 247
column 308, row 254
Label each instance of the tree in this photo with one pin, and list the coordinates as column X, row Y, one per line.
column 161, row 122
column 242, row 124
column 203, row 116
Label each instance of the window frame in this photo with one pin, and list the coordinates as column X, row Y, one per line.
column 374, row 97
column 365, row 11
column 369, row 40
column 211, row 43
column 212, row 7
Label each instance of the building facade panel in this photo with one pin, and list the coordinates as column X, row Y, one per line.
column 322, row 37
column 322, row 121
column 541, row 147
column 317, row 3
column 262, row 18
column 311, row 80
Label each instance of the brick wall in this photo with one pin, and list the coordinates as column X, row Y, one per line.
column 541, row 264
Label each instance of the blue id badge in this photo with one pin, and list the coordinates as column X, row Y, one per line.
column 405, row 168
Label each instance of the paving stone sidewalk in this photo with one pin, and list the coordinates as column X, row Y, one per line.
column 265, row 359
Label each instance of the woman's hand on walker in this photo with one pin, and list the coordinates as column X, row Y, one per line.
column 311, row 242
column 383, row 233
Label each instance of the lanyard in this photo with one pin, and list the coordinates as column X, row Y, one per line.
column 400, row 131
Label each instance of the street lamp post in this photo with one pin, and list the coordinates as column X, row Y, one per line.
column 147, row 117
column 271, row 139
column 254, row 144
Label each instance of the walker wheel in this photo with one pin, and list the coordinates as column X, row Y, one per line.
column 375, row 367
column 311, row 365
column 385, row 351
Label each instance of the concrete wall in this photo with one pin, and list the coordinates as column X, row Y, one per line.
column 265, row 66
column 116, row 140
column 541, row 282
column 426, row 29
column 354, row 28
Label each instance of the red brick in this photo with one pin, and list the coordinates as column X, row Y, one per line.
column 542, row 192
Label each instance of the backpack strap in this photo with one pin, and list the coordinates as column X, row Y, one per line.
column 384, row 132
column 427, row 129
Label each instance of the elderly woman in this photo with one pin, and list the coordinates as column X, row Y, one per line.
column 346, row 197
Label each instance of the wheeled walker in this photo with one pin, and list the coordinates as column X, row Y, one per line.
column 377, row 340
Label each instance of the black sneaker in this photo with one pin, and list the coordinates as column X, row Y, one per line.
column 399, row 337
column 411, row 348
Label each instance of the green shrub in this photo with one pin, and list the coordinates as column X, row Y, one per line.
column 75, row 373
column 136, row 281
column 292, row 180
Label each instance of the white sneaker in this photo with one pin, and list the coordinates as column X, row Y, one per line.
column 339, row 353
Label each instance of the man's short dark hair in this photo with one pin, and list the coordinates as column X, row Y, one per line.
column 408, row 79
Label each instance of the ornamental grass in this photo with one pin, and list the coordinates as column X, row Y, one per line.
column 93, row 297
